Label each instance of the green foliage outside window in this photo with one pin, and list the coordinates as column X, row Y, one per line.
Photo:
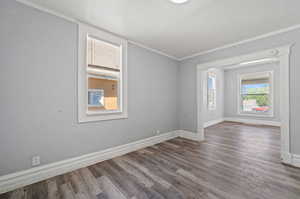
column 261, row 99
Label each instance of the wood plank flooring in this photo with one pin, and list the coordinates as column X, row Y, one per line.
column 236, row 161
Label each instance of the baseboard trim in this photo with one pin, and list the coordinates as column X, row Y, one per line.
column 295, row 160
column 212, row 122
column 286, row 158
column 190, row 135
column 252, row 121
column 23, row 178
column 291, row 159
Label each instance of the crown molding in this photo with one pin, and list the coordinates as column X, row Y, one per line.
column 270, row 34
column 46, row 10
column 78, row 21
column 154, row 50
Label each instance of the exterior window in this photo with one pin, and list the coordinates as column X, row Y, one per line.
column 256, row 93
column 102, row 86
column 96, row 98
column 211, row 91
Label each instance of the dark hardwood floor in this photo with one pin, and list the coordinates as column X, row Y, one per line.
column 236, row 161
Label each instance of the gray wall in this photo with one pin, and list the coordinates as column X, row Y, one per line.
column 231, row 88
column 187, row 78
column 38, row 57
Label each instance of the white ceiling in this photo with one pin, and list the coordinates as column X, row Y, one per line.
column 182, row 30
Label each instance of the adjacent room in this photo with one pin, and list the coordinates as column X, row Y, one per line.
column 139, row 99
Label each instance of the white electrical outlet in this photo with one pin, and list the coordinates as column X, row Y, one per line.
column 157, row 132
column 36, row 161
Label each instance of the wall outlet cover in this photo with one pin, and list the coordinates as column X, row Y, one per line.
column 36, row 161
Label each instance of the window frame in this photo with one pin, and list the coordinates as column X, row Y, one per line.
column 271, row 94
column 85, row 31
column 209, row 74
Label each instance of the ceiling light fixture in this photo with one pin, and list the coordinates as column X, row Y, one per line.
column 179, row 1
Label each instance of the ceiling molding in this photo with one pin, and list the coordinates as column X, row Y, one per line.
column 154, row 50
column 46, row 10
column 270, row 34
column 77, row 21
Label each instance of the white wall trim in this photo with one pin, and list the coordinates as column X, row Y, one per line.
column 153, row 50
column 273, row 55
column 291, row 159
column 295, row 160
column 23, row 178
column 191, row 135
column 286, row 158
column 253, row 121
column 46, row 10
column 280, row 54
column 213, row 122
column 270, row 34
column 77, row 21
column 19, row 179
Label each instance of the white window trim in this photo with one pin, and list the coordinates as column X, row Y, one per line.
column 82, row 88
column 212, row 108
column 271, row 94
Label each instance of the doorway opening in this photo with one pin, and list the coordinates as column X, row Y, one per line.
column 252, row 93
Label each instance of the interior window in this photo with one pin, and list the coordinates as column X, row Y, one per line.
column 102, row 75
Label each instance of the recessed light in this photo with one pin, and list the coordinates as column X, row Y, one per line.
column 179, row 1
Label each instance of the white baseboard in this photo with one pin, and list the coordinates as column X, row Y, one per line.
column 295, row 160
column 191, row 135
column 286, row 158
column 252, row 121
column 291, row 159
column 213, row 122
column 23, row 178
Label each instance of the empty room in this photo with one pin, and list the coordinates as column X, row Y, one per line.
column 149, row 99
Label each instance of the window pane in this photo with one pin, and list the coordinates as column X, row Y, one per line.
column 210, row 83
column 256, row 103
column 102, row 94
column 211, row 97
column 211, row 91
column 255, row 94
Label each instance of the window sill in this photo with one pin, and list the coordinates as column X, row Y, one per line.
column 256, row 115
column 97, row 117
column 103, row 112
